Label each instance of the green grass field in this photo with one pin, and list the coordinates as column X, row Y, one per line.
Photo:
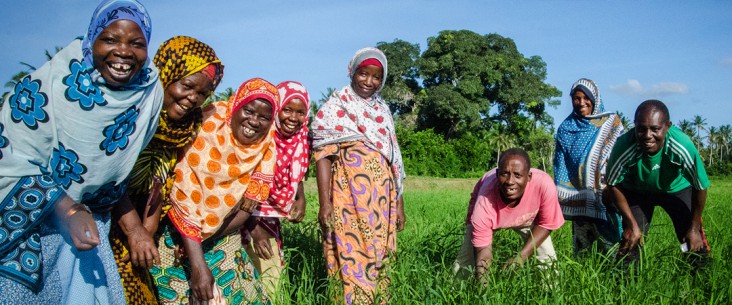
column 436, row 209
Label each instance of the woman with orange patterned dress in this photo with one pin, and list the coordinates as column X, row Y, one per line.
column 359, row 174
column 224, row 175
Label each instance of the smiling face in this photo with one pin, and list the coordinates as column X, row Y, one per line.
column 252, row 121
column 367, row 80
column 120, row 52
column 651, row 126
column 513, row 176
column 581, row 104
column 292, row 116
column 186, row 94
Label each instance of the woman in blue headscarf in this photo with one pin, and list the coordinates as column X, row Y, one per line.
column 70, row 133
column 583, row 144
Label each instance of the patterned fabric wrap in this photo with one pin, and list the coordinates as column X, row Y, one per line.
column 218, row 173
column 363, row 237
column 583, row 145
column 255, row 88
column 293, row 157
column 137, row 282
column 20, row 212
column 61, row 121
column 346, row 117
column 177, row 58
column 110, row 11
column 235, row 278
column 182, row 56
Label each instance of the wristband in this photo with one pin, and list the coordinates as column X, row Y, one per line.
column 76, row 208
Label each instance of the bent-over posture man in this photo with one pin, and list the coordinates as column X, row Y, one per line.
column 656, row 164
column 515, row 196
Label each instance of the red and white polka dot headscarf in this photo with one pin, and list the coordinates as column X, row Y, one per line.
column 293, row 156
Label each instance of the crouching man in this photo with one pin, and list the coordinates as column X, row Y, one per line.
column 514, row 196
column 656, row 164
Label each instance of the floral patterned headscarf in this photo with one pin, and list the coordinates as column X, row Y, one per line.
column 110, row 11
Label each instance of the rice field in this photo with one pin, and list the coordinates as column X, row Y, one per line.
column 436, row 209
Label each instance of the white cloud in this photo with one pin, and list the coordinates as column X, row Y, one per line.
column 634, row 88
column 668, row 88
column 726, row 62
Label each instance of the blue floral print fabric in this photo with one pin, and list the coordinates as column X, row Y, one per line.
column 61, row 123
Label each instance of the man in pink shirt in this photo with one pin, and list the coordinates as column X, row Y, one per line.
column 514, row 196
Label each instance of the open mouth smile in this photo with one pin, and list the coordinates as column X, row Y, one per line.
column 182, row 107
column 248, row 132
column 120, row 70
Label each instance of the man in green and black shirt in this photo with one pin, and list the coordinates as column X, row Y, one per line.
column 656, row 164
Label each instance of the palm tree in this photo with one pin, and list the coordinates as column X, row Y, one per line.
column 219, row 96
column 685, row 126
column 698, row 122
column 725, row 135
column 713, row 137
column 627, row 124
column 541, row 141
column 501, row 141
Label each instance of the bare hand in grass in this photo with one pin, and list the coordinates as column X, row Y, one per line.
column 632, row 238
column 694, row 240
column 298, row 211
column 401, row 218
column 512, row 263
column 325, row 218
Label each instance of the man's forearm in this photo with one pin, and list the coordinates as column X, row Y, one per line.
column 698, row 201
column 483, row 259
column 536, row 237
column 623, row 207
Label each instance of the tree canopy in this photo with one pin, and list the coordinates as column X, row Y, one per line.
column 469, row 82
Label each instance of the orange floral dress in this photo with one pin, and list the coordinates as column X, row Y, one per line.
column 364, row 220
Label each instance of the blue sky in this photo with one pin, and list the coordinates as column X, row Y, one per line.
column 677, row 51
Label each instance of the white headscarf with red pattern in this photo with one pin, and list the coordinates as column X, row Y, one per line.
column 346, row 116
column 293, row 156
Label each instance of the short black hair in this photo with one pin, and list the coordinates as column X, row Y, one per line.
column 649, row 105
column 514, row 151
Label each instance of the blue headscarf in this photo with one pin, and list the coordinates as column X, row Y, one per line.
column 110, row 11
column 583, row 144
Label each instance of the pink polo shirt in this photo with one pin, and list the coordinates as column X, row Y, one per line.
column 539, row 206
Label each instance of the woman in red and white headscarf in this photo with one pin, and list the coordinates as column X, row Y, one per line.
column 360, row 174
column 263, row 235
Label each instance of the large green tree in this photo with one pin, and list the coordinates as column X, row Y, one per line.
column 402, row 87
column 472, row 81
